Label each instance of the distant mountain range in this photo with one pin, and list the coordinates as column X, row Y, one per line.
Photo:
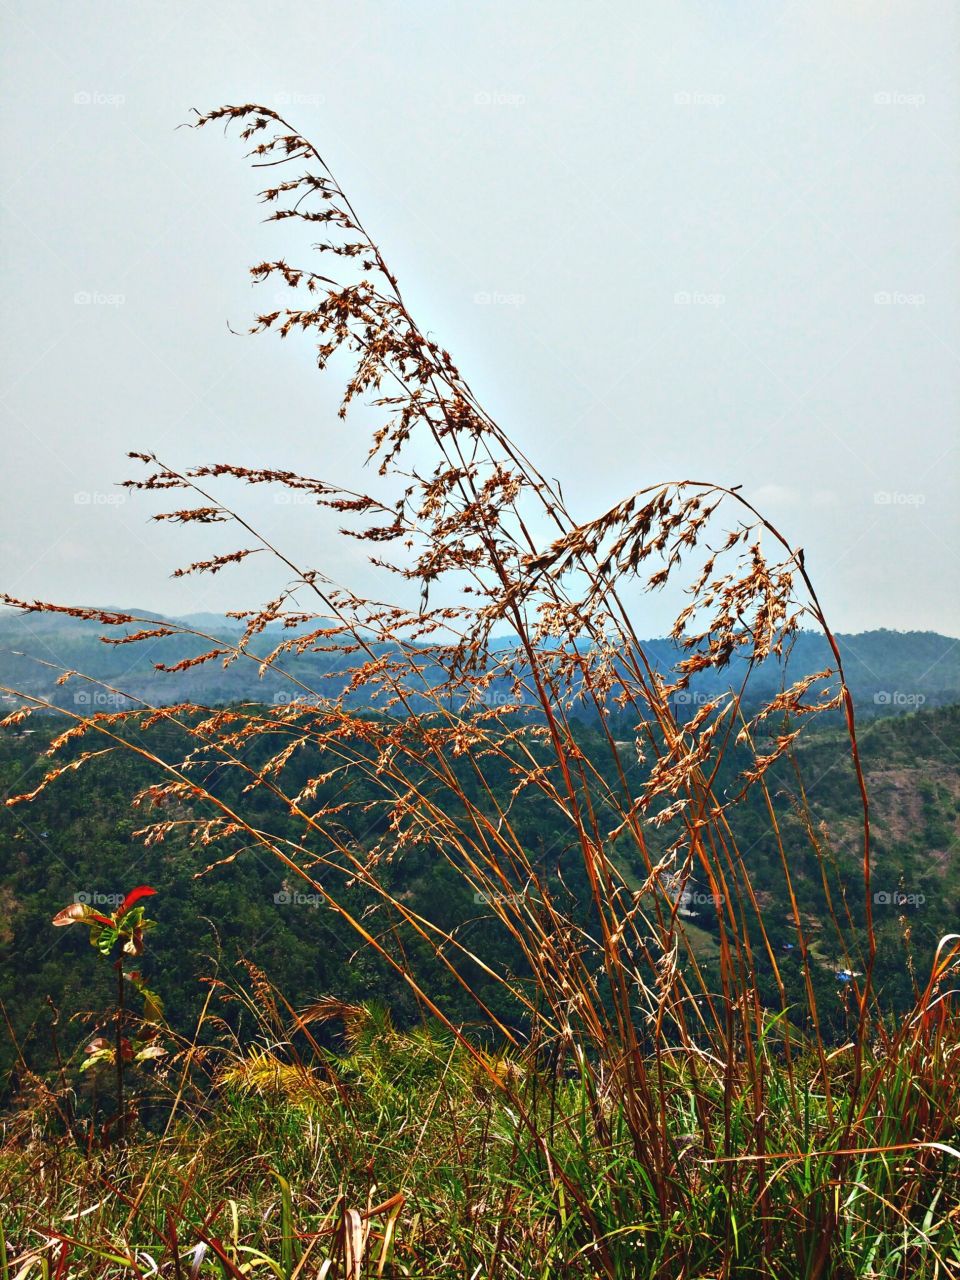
column 888, row 671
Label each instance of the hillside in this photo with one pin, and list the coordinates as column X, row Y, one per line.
column 889, row 672
column 77, row 838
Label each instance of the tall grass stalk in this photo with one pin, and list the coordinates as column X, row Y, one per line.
column 687, row 1128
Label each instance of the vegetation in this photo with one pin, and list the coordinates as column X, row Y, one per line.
column 635, row 1092
column 76, row 840
column 404, row 1154
column 889, row 673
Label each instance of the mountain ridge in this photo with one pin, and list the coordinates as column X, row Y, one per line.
column 888, row 671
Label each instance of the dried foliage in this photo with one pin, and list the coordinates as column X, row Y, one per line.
column 492, row 547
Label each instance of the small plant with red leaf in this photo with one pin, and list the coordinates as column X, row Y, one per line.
column 120, row 935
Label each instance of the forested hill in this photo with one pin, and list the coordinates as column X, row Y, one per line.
column 888, row 671
column 77, row 838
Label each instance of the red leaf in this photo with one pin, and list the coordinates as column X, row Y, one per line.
column 64, row 1257
column 133, row 897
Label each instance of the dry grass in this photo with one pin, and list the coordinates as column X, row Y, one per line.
column 701, row 1133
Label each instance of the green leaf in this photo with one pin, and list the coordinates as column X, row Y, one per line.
column 96, row 1058
column 150, row 1051
column 105, row 939
column 152, row 1005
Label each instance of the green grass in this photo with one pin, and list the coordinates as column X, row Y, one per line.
column 489, row 1168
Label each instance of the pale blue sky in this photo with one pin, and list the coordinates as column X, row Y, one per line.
column 701, row 239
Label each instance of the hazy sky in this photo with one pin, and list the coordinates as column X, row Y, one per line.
column 710, row 239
